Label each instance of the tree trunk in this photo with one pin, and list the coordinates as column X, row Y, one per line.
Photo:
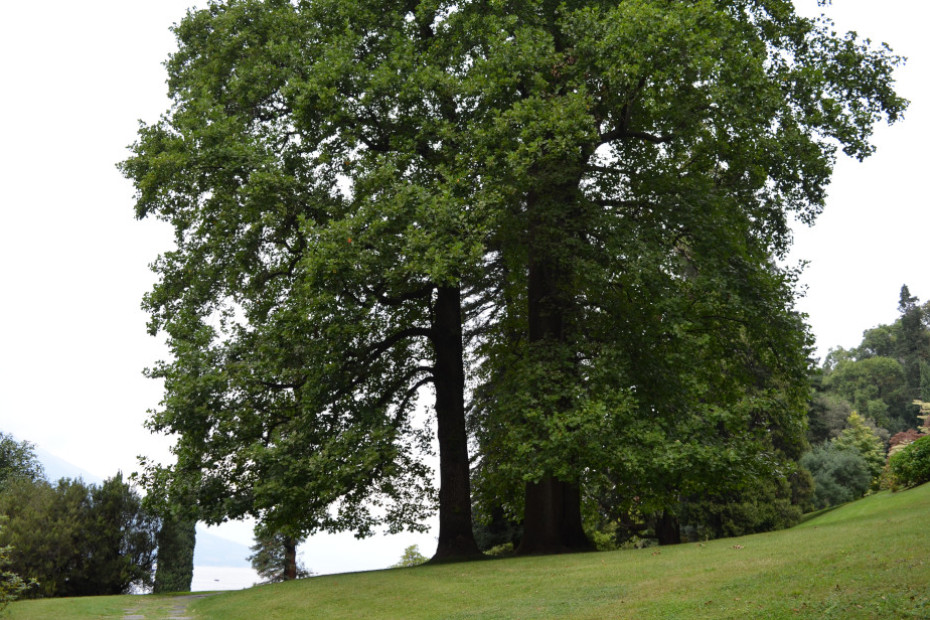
column 552, row 514
column 456, row 538
column 552, row 519
column 290, row 558
column 668, row 530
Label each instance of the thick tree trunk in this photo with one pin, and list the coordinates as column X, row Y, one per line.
column 552, row 519
column 668, row 530
column 290, row 558
column 552, row 515
column 456, row 539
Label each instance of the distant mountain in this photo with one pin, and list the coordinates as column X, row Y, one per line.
column 57, row 468
column 210, row 550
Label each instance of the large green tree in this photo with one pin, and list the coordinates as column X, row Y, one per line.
column 649, row 156
column 598, row 191
column 176, row 539
column 316, row 286
column 874, row 386
column 175, row 504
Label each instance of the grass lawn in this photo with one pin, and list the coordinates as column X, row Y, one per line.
column 101, row 607
column 867, row 559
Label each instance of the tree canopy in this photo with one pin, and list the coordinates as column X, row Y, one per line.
column 18, row 460
column 868, row 404
column 883, row 377
column 76, row 539
column 580, row 204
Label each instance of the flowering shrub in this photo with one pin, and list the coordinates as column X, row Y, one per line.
column 900, row 440
column 911, row 466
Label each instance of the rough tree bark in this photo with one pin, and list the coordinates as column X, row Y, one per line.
column 668, row 529
column 456, row 538
column 290, row 558
column 552, row 514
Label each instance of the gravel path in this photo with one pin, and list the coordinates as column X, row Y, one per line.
column 177, row 609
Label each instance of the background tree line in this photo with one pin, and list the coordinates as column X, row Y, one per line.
column 70, row 538
column 563, row 219
column 867, row 404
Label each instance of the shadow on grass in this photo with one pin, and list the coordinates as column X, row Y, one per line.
column 817, row 513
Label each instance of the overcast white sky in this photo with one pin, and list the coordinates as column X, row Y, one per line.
column 76, row 76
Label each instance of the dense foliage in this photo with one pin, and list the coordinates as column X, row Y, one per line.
column 274, row 557
column 77, row 539
column 769, row 505
column 176, row 538
column 883, row 376
column 911, row 466
column 868, row 404
column 12, row 586
column 18, row 460
column 578, row 207
column 840, row 475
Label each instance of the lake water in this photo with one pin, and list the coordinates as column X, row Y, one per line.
column 223, row 578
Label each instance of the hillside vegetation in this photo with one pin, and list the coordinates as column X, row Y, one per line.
column 866, row 559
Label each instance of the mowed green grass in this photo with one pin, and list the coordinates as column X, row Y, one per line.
column 99, row 607
column 868, row 559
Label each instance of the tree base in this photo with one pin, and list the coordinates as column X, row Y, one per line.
column 459, row 549
column 552, row 519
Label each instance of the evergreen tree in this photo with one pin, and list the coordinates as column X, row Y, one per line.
column 12, row 586
column 274, row 557
column 912, row 343
column 839, row 475
column 77, row 539
column 859, row 437
column 176, row 539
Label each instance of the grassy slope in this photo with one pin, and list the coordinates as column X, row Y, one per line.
column 96, row 607
column 865, row 560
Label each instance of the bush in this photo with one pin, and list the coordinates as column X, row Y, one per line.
column 412, row 557
column 77, row 539
column 501, row 550
column 839, row 475
column 769, row 504
column 911, row 466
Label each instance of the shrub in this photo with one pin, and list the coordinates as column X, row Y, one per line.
column 911, row 466
column 412, row 557
column 769, row 504
column 501, row 550
column 77, row 539
column 839, row 475
column 900, row 440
